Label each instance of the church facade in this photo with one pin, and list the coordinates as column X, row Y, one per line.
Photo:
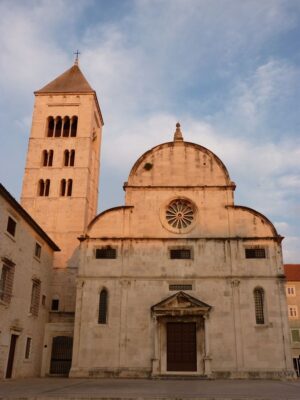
column 179, row 281
column 182, row 280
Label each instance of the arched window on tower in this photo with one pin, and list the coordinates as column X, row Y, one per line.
column 72, row 158
column 74, row 122
column 259, row 303
column 50, row 158
column 58, row 126
column 50, row 127
column 63, row 187
column 41, row 187
column 69, row 158
column 44, row 187
column 66, row 128
column 45, row 158
column 103, row 300
column 47, row 187
column 69, row 188
column 66, row 158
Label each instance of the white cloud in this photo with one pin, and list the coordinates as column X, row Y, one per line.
column 252, row 98
column 31, row 52
column 290, row 181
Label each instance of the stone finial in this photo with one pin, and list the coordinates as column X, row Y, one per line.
column 178, row 134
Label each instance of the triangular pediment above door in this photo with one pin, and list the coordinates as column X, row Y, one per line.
column 180, row 303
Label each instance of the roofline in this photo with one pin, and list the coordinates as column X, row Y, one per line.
column 105, row 212
column 258, row 214
column 171, row 143
column 17, row 206
column 38, row 93
column 292, row 265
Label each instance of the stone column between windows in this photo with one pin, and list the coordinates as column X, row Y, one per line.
column 207, row 357
column 239, row 354
column 155, row 359
column 124, row 287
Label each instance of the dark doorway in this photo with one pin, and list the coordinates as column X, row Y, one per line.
column 181, row 346
column 61, row 355
column 11, row 356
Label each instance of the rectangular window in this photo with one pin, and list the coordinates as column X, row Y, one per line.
column 6, row 282
column 54, row 304
column 180, row 287
column 293, row 312
column 38, row 250
column 255, row 253
column 295, row 335
column 35, row 297
column 28, row 348
column 106, row 252
column 290, row 291
column 11, row 226
column 180, row 254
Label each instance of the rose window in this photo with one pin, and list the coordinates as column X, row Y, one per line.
column 180, row 214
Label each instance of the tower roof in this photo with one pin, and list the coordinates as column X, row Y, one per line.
column 71, row 81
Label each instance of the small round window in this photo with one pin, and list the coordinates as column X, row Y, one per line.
column 180, row 214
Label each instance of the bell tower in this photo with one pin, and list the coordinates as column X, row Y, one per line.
column 60, row 186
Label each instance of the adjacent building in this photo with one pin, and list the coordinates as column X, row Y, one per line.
column 26, row 259
column 292, row 272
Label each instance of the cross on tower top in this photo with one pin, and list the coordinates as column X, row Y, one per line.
column 77, row 57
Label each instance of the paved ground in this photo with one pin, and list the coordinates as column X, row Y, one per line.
column 63, row 388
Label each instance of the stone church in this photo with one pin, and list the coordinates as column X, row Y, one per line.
column 178, row 281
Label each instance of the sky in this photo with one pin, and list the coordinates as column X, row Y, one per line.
column 228, row 70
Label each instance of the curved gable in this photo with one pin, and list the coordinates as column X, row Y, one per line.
column 110, row 222
column 249, row 222
column 179, row 164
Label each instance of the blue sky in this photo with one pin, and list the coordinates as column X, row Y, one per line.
column 228, row 70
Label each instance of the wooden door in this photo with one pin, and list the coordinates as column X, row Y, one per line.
column 11, row 356
column 181, row 346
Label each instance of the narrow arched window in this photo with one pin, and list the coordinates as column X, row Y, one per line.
column 47, row 187
column 70, row 185
column 50, row 128
column 102, row 316
column 66, row 158
column 63, row 187
column 66, row 128
column 259, row 299
column 72, row 158
column 50, row 158
column 41, row 187
column 58, row 126
column 74, row 126
column 45, row 158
